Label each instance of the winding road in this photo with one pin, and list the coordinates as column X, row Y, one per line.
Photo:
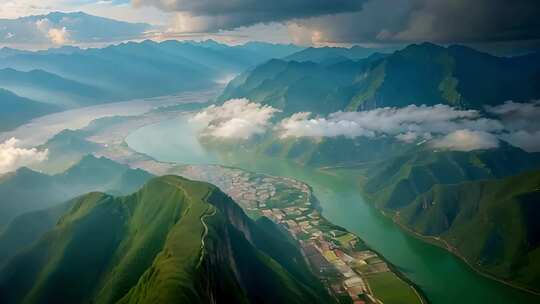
column 205, row 233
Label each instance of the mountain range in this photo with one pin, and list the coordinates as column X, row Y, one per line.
column 17, row 109
column 501, row 215
column 70, row 77
column 441, row 196
column 26, row 190
column 174, row 240
column 418, row 74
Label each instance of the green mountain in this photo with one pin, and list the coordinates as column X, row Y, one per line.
column 493, row 224
column 17, row 110
column 396, row 182
column 315, row 152
column 295, row 86
column 174, row 240
column 480, row 205
column 419, row 74
column 28, row 227
column 26, row 190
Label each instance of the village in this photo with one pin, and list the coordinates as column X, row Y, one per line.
column 350, row 270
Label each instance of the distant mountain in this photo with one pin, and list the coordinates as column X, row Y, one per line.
column 419, row 74
column 6, row 52
column 175, row 240
column 66, row 50
column 271, row 50
column 336, row 54
column 65, row 149
column 50, row 88
column 76, row 27
column 146, row 69
column 26, row 190
column 492, row 224
column 296, row 86
column 17, row 110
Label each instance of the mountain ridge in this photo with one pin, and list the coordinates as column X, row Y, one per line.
column 151, row 264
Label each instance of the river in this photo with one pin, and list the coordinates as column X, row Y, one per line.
column 442, row 277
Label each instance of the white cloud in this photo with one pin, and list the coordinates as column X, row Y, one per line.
column 236, row 118
column 13, row 157
column 58, row 36
column 443, row 126
column 301, row 125
column 466, row 140
column 407, row 124
column 526, row 140
column 521, row 122
column 518, row 116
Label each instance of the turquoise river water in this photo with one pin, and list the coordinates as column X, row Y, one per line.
column 443, row 278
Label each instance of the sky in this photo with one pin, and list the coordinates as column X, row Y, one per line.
column 489, row 24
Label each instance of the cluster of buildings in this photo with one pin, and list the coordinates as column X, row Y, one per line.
column 339, row 258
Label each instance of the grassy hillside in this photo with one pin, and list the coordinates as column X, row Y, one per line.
column 419, row 74
column 175, row 240
column 26, row 190
column 493, row 224
column 26, row 228
column 396, row 182
column 479, row 205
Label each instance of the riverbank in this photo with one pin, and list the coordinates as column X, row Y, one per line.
column 441, row 243
column 340, row 258
column 438, row 242
column 430, row 267
column 110, row 135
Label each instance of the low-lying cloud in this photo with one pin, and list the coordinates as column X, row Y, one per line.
column 13, row 157
column 408, row 124
column 441, row 126
column 235, row 119
column 466, row 140
column 521, row 122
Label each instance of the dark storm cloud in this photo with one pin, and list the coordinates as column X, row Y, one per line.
column 473, row 21
column 375, row 21
column 443, row 21
column 231, row 14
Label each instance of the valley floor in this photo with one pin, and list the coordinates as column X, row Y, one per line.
column 351, row 271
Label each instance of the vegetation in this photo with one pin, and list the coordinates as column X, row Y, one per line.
column 389, row 288
column 502, row 214
column 449, row 196
column 26, row 190
column 419, row 74
column 396, row 182
column 174, row 240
